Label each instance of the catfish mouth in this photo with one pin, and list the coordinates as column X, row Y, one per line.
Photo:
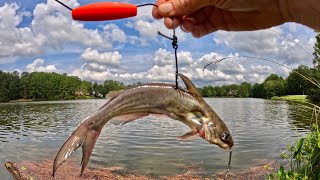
column 201, row 132
column 226, row 145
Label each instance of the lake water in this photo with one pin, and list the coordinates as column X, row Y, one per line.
column 261, row 129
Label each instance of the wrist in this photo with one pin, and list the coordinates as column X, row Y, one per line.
column 306, row 12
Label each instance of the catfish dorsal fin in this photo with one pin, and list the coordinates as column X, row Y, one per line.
column 112, row 94
column 190, row 86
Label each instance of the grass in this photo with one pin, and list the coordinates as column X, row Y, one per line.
column 295, row 98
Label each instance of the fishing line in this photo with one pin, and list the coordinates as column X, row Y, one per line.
column 140, row 5
column 174, row 40
column 291, row 40
column 147, row 4
column 229, row 164
column 64, row 5
column 313, row 80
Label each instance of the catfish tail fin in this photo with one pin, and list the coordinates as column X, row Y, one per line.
column 84, row 136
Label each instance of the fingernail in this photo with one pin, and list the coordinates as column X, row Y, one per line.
column 165, row 8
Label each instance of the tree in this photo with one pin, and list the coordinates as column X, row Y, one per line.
column 244, row 89
column 296, row 84
column 257, row 91
column 85, row 88
column 4, row 87
column 273, row 77
column 14, row 89
column 24, row 83
column 316, row 53
column 274, row 85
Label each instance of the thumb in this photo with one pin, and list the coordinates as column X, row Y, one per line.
column 181, row 7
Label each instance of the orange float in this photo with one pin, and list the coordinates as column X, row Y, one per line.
column 104, row 11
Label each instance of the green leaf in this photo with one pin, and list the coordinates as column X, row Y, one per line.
column 299, row 147
column 281, row 173
column 318, row 140
column 284, row 155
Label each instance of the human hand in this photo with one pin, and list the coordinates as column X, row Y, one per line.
column 201, row 17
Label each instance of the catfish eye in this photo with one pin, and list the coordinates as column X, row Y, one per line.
column 225, row 136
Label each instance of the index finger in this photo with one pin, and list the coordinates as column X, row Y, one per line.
column 155, row 13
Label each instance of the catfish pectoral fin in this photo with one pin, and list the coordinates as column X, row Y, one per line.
column 188, row 136
column 83, row 136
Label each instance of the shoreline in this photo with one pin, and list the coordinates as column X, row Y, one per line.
column 71, row 170
column 292, row 98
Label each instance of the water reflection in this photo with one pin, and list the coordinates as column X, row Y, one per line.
column 302, row 116
column 260, row 128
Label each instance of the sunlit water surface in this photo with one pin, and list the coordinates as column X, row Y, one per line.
column 261, row 129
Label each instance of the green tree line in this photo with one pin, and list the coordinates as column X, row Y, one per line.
column 50, row 86
column 273, row 85
column 54, row 86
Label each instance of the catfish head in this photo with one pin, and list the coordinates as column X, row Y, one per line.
column 209, row 125
column 216, row 132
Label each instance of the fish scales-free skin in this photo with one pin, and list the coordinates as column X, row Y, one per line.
column 125, row 106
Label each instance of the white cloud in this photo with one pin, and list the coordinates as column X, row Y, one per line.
column 55, row 22
column 262, row 69
column 163, row 57
column 94, row 67
column 112, row 31
column 92, row 75
column 17, row 41
column 163, row 70
column 273, row 43
column 256, row 42
column 38, row 66
column 105, row 58
column 52, row 26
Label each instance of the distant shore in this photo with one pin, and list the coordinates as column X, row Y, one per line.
column 293, row 98
column 33, row 100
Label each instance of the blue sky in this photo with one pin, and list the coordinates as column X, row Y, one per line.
column 40, row 35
